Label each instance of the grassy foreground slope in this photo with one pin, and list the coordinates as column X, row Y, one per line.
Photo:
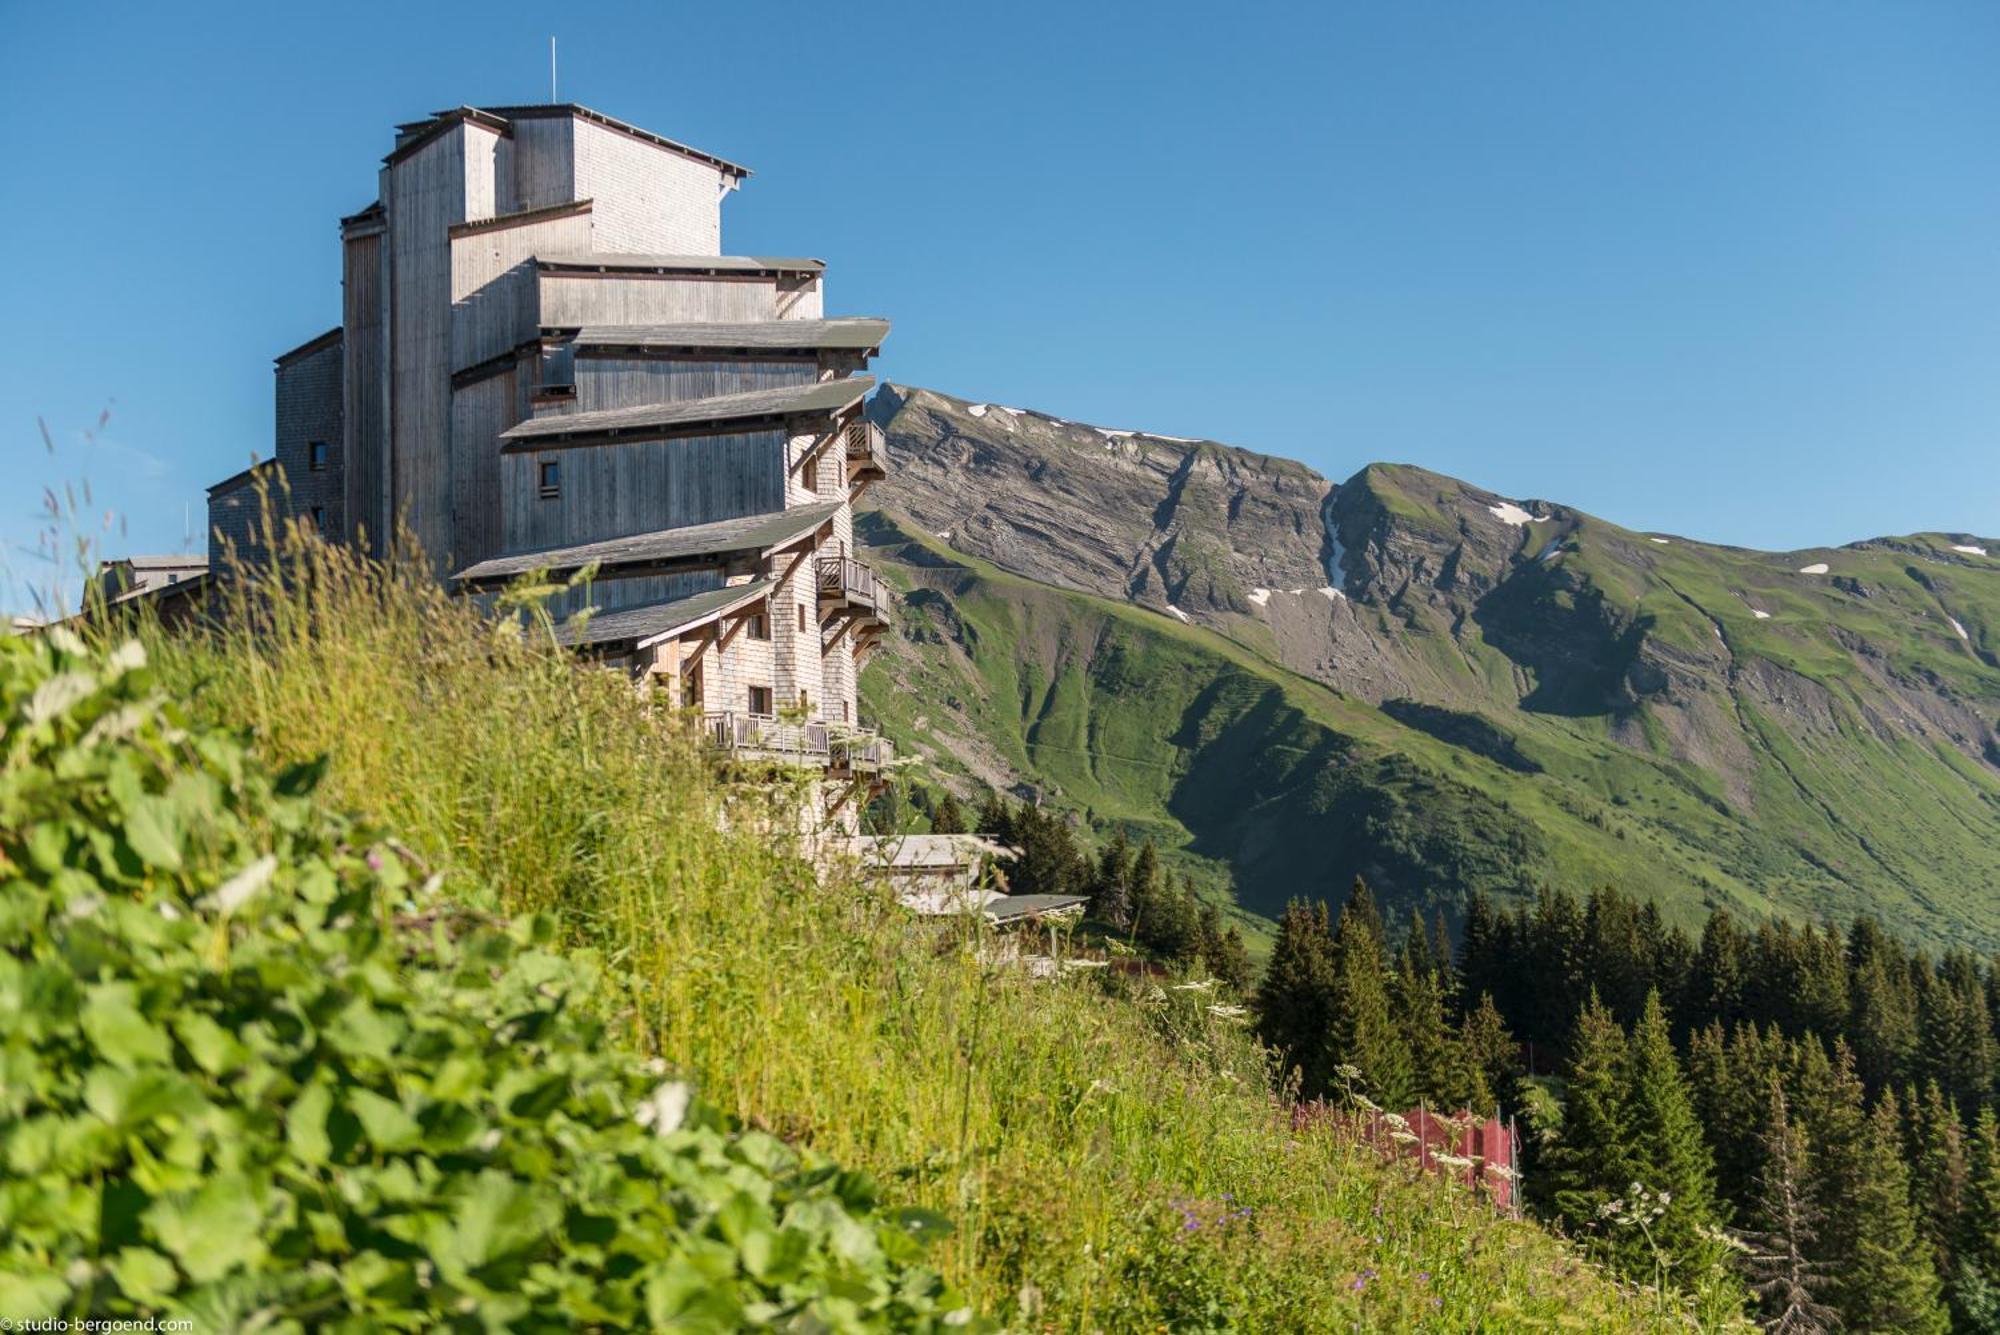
column 1110, row 1161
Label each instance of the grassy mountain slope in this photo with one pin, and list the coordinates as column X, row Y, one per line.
column 1809, row 733
column 1109, row 1155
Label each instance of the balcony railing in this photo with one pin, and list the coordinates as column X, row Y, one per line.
column 834, row 746
column 842, row 579
column 764, row 735
column 867, row 452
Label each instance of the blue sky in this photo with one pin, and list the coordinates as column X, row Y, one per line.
column 1721, row 269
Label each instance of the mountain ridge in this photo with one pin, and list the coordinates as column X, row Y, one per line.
column 1816, row 724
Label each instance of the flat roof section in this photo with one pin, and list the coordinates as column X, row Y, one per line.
column 653, row 622
column 850, row 334
column 688, row 416
column 750, row 534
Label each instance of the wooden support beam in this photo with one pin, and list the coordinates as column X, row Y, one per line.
column 742, row 619
column 846, row 794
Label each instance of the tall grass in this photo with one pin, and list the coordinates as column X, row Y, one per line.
column 1110, row 1154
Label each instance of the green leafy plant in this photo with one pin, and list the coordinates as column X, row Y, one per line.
column 255, row 1070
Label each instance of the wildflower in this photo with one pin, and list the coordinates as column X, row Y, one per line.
column 1502, row 1171
column 1229, row 1012
column 1397, row 1120
column 1196, row 986
column 1423, row 1277
column 239, row 889
column 665, row 1108
column 1403, row 1137
column 1454, row 1161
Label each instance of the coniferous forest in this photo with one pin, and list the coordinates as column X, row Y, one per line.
column 1803, row 1120
column 1807, row 1114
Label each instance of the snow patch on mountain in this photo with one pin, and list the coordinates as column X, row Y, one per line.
column 1261, row 597
column 1761, row 616
column 1816, row 568
column 1960, row 629
column 977, row 410
column 1661, row 541
column 1177, row 612
column 1969, row 551
column 1509, row 513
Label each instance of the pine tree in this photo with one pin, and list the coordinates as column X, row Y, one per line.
column 1889, row 1285
column 1111, row 885
column 1786, row 1274
column 1674, row 1158
column 994, row 818
column 1716, row 992
column 1294, row 1004
column 1437, row 1073
column 947, row 817
column 1364, row 1032
column 1976, row 1280
column 1591, row 1162
column 1145, row 889
column 1938, row 1174
column 1489, row 1056
column 1826, row 1100
column 1229, row 960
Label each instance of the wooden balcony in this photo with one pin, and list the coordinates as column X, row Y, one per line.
column 867, row 454
column 846, row 585
column 837, row 748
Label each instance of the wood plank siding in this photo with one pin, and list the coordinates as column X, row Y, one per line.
column 546, row 286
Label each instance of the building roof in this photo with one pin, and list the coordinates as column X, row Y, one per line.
column 926, row 852
column 548, row 109
column 235, row 480
column 691, row 417
column 606, row 262
column 751, row 533
column 1018, row 908
column 848, row 334
column 317, row 343
column 653, row 622
column 179, row 562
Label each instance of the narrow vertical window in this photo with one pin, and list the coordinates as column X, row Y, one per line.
column 316, row 454
column 550, row 475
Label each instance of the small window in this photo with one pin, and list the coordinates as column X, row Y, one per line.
column 316, row 456
column 319, row 519
column 559, row 370
column 760, row 700
column 804, row 625
column 805, row 700
column 550, row 475
column 843, row 712
column 760, row 626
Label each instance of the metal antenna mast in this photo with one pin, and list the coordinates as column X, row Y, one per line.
column 552, row 69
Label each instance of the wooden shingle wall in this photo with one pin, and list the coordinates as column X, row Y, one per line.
column 654, row 201
column 308, row 410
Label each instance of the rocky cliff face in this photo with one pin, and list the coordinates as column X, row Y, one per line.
column 1853, row 690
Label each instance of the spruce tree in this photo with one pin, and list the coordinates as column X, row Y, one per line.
column 1827, row 1104
column 1111, row 885
column 1145, row 889
column 1438, row 1076
column 1674, row 1158
column 994, row 818
column 1938, row 1174
column 947, row 817
column 1294, row 1003
column 1716, row 991
column 1364, row 1029
column 1786, row 1273
column 1889, row 1284
column 1489, row 1056
column 1229, row 960
column 1976, row 1279
column 1592, row 1162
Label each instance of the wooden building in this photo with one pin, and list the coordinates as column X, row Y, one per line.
column 546, row 362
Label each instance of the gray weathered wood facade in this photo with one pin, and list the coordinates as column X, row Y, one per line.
column 543, row 350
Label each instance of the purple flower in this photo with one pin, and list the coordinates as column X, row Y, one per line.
column 1423, row 1276
column 1359, row 1284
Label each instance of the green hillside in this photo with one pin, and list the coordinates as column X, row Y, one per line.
column 1612, row 714
column 845, row 1104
